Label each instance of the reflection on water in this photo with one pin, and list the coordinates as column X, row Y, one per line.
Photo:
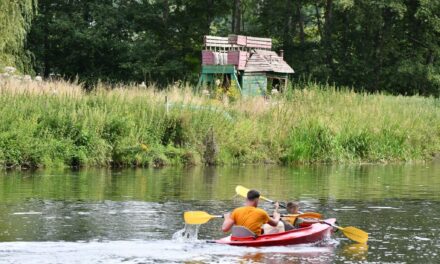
column 130, row 216
column 355, row 251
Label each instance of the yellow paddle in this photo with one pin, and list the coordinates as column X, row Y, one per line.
column 351, row 232
column 198, row 217
column 201, row 217
column 242, row 191
column 305, row 215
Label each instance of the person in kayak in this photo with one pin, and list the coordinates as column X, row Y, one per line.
column 249, row 216
column 292, row 222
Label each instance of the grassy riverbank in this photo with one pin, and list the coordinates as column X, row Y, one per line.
column 57, row 124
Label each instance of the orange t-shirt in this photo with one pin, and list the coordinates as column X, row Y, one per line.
column 250, row 217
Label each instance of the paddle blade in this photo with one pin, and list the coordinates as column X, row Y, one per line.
column 310, row 215
column 355, row 234
column 197, row 217
column 242, row 191
column 305, row 215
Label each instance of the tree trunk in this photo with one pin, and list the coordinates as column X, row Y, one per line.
column 300, row 22
column 236, row 17
column 328, row 18
column 430, row 58
column 318, row 20
column 166, row 11
column 288, row 28
column 233, row 18
column 243, row 10
column 46, row 61
column 209, row 14
column 328, row 15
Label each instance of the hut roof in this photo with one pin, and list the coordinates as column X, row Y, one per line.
column 257, row 63
column 267, row 61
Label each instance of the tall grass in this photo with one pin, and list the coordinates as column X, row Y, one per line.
column 58, row 124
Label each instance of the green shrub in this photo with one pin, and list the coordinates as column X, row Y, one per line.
column 134, row 128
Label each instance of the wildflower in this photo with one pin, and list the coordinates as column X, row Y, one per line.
column 144, row 147
column 205, row 92
column 38, row 78
column 9, row 69
column 274, row 91
column 27, row 78
column 142, row 85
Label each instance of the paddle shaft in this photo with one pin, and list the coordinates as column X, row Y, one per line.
column 324, row 222
column 217, row 216
column 242, row 191
column 351, row 232
column 282, row 215
column 332, row 225
column 273, row 202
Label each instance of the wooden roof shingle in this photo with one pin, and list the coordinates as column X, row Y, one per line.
column 267, row 61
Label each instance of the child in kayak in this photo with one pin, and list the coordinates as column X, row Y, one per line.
column 292, row 222
column 249, row 216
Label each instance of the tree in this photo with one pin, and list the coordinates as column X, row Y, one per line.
column 390, row 46
column 15, row 21
column 236, row 17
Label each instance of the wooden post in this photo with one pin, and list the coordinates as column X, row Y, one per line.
column 166, row 105
column 234, row 77
column 200, row 83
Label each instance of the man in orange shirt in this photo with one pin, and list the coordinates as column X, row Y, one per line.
column 250, row 216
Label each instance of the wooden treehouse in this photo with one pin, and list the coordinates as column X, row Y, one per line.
column 249, row 61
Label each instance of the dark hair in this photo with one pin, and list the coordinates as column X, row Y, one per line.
column 292, row 205
column 252, row 195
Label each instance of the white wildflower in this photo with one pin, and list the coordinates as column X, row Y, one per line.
column 9, row 69
column 27, row 78
column 142, row 85
column 38, row 78
column 205, row 92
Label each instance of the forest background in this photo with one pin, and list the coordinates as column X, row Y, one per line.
column 370, row 45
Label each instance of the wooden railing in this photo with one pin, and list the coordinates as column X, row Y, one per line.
column 233, row 42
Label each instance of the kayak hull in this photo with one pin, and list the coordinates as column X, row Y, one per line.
column 310, row 234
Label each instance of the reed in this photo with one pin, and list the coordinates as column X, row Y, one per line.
column 59, row 124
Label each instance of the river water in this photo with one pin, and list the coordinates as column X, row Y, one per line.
column 130, row 216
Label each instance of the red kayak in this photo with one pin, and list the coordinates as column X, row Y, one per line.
column 310, row 234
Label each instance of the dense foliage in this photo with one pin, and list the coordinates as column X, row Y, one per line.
column 373, row 45
column 122, row 41
column 57, row 123
column 15, row 21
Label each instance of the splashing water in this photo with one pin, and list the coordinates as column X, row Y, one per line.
column 188, row 233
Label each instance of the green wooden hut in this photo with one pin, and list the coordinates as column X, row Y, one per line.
column 247, row 61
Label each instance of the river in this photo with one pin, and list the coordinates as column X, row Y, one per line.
column 130, row 216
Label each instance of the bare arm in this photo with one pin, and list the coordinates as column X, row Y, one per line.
column 273, row 221
column 227, row 223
